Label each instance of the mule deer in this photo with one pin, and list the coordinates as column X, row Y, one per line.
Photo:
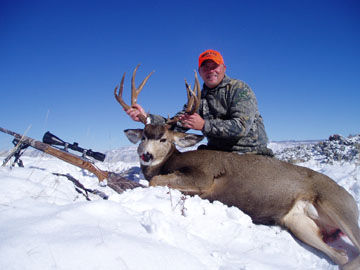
column 272, row 192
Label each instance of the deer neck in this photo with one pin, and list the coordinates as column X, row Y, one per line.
column 151, row 171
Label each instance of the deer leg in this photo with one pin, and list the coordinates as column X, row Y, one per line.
column 353, row 265
column 344, row 219
column 300, row 221
column 185, row 183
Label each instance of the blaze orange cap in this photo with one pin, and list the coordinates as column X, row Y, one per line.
column 211, row 55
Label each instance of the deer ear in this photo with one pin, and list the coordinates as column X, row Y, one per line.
column 186, row 139
column 134, row 135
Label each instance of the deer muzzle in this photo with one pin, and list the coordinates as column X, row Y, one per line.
column 146, row 157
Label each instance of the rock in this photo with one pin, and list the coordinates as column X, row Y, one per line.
column 336, row 149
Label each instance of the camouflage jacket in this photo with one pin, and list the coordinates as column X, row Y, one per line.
column 232, row 119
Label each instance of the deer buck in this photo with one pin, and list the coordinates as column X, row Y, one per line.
column 309, row 204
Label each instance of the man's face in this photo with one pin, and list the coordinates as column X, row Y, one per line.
column 212, row 73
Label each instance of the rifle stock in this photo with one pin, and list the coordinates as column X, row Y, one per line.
column 77, row 161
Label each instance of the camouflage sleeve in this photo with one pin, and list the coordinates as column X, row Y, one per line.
column 242, row 109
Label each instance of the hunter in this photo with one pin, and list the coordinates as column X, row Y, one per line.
column 228, row 115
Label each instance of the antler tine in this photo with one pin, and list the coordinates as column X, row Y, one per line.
column 187, row 91
column 118, row 96
column 136, row 91
column 190, row 96
column 198, row 88
column 193, row 100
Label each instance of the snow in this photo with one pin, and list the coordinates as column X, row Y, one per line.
column 46, row 224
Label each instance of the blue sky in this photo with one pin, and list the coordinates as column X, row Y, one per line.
column 60, row 61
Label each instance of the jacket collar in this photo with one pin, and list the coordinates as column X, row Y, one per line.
column 222, row 84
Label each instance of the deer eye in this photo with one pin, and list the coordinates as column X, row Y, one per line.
column 163, row 140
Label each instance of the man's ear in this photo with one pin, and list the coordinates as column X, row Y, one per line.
column 134, row 135
column 186, row 139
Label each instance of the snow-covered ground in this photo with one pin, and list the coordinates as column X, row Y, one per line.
column 46, row 224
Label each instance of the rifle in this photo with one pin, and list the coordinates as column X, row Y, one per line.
column 113, row 180
column 51, row 139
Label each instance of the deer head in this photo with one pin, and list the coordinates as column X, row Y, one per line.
column 158, row 141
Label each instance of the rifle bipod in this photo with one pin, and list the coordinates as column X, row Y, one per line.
column 16, row 152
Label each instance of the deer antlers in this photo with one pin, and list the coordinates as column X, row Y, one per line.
column 134, row 92
column 192, row 95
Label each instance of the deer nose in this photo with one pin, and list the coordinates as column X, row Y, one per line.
column 146, row 156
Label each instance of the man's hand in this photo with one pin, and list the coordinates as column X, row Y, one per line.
column 135, row 111
column 193, row 121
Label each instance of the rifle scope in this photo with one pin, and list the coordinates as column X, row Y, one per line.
column 51, row 139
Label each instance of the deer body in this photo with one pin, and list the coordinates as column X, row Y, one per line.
column 265, row 188
column 309, row 204
column 272, row 192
